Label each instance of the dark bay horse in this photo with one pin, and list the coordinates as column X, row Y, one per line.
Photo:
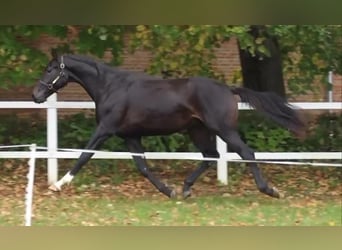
column 131, row 105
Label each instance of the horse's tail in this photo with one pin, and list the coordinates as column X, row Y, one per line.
column 274, row 107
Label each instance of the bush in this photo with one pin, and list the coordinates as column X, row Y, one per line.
column 258, row 133
column 264, row 135
column 324, row 134
column 14, row 131
column 75, row 131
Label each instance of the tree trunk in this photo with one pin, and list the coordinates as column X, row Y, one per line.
column 263, row 73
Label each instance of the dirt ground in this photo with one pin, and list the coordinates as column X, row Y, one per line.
column 124, row 180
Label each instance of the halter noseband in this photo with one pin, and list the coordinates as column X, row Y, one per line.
column 61, row 74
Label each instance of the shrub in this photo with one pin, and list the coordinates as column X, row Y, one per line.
column 258, row 133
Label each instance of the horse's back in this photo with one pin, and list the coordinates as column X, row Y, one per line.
column 197, row 93
column 211, row 91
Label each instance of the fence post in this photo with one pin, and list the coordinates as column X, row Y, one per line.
column 52, row 141
column 222, row 164
column 30, row 186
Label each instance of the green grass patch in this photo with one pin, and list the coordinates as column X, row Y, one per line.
column 83, row 210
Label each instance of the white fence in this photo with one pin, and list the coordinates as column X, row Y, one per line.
column 53, row 154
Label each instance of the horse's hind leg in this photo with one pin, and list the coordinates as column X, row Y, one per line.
column 205, row 141
column 135, row 146
column 232, row 138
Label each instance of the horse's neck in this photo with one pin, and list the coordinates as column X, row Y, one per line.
column 87, row 76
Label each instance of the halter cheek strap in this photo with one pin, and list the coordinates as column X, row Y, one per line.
column 62, row 65
column 61, row 74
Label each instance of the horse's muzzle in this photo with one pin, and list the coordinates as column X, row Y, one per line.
column 37, row 99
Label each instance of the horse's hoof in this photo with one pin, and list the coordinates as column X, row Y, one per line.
column 54, row 188
column 186, row 194
column 277, row 194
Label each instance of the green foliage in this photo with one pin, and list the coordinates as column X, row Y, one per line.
column 308, row 51
column 75, row 131
column 264, row 135
column 173, row 143
column 15, row 131
column 19, row 63
column 326, row 134
column 260, row 134
column 185, row 50
column 98, row 39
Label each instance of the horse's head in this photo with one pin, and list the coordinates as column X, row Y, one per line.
column 54, row 78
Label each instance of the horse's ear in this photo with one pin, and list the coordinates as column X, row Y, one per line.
column 54, row 53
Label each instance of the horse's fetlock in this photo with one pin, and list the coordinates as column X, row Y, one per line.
column 263, row 188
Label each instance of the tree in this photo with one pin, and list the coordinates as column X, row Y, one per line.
column 309, row 53
column 263, row 71
column 302, row 53
column 20, row 63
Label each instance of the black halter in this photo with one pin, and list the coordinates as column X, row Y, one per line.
column 61, row 74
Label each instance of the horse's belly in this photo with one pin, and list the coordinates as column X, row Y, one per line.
column 161, row 125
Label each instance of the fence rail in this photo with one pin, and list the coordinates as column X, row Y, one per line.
column 52, row 154
column 90, row 105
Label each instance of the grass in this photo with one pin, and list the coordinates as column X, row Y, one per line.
column 251, row 210
column 116, row 195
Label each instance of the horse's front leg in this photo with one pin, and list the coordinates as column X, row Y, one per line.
column 99, row 136
column 135, row 146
